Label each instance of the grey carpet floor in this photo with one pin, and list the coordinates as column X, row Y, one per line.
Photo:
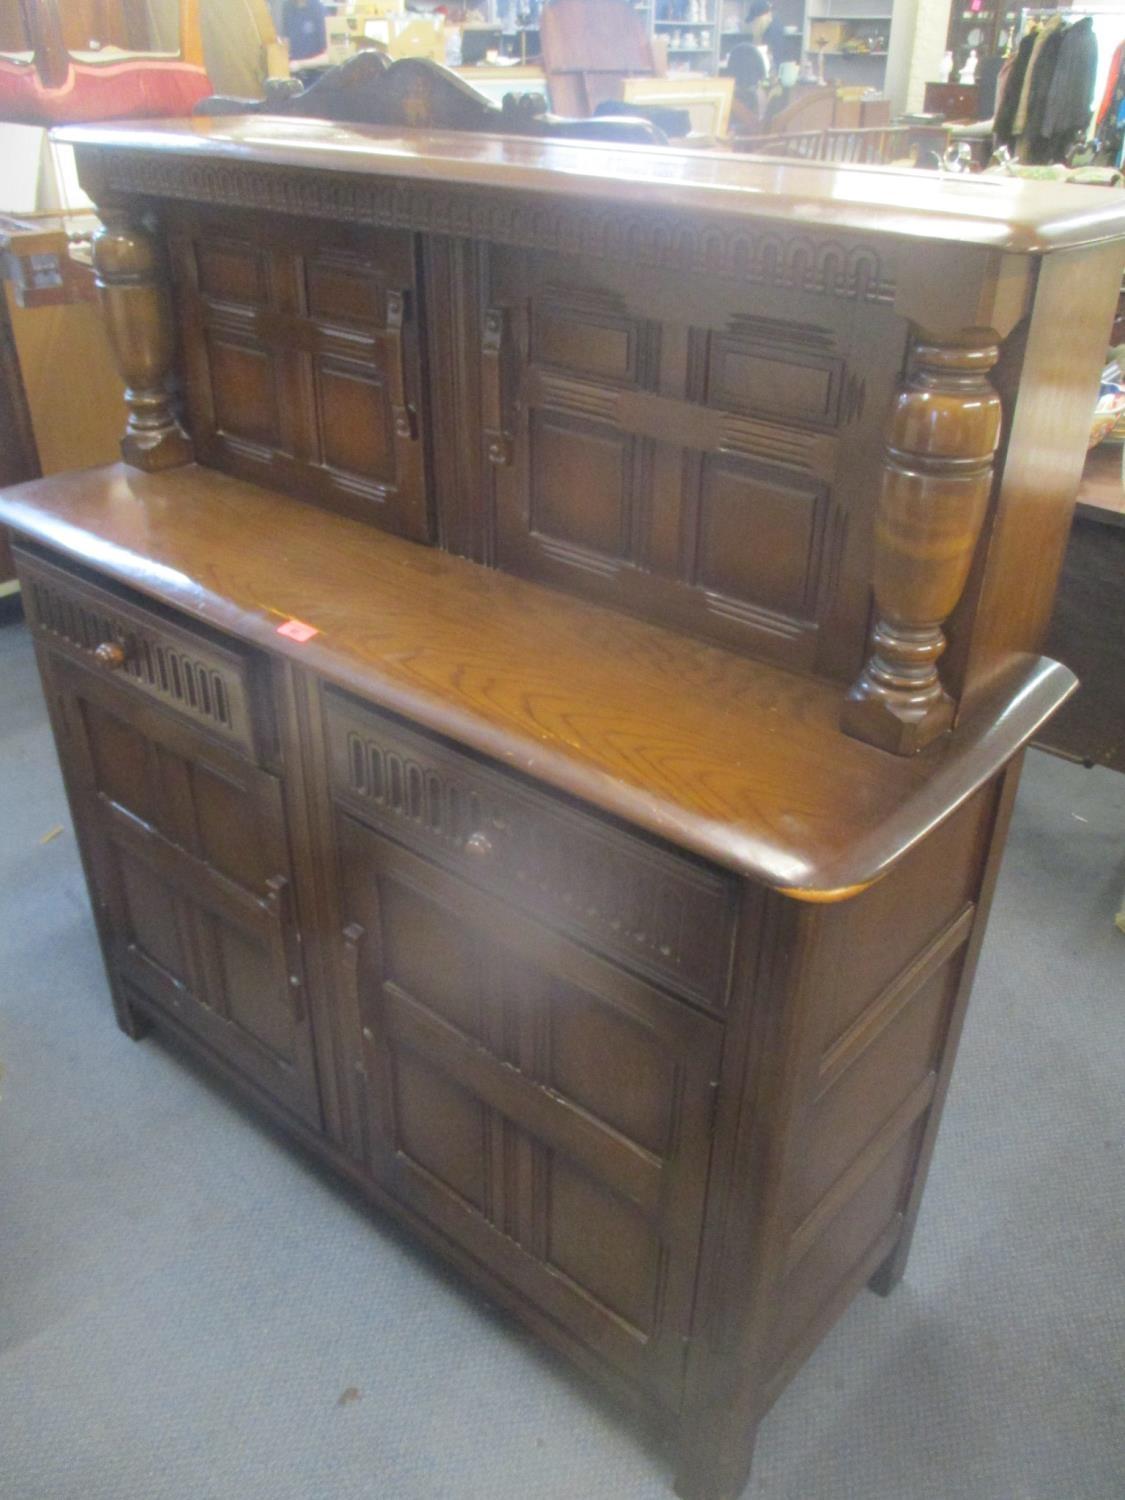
column 189, row 1310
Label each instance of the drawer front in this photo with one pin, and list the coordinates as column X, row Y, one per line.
column 660, row 913
column 207, row 681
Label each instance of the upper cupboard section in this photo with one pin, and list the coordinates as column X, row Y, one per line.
column 699, row 450
column 301, row 356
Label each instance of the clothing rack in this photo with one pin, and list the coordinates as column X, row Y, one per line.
column 1072, row 12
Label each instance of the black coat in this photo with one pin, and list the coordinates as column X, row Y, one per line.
column 1071, row 95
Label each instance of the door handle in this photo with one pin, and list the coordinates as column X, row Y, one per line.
column 402, row 413
column 495, row 387
column 353, row 935
column 278, row 904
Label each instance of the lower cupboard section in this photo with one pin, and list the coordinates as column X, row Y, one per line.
column 544, row 1110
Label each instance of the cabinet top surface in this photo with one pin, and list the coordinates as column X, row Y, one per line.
column 1015, row 216
column 737, row 761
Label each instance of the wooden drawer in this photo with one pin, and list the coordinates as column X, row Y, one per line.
column 201, row 676
column 661, row 913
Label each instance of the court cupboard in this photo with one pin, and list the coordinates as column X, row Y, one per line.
column 542, row 697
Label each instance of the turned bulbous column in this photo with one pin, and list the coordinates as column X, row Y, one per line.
column 138, row 315
column 937, row 474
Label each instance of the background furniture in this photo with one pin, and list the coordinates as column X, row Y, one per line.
column 589, row 48
column 952, row 101
column 52, row 84
column 914, row 145
column 850, row 40
column 616, row 934
column 1088, row 624
column 707, row 100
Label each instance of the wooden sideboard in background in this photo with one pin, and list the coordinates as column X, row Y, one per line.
column 542, row 700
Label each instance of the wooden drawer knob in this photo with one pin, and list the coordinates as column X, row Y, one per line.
column 110, row 655
column 478, row 844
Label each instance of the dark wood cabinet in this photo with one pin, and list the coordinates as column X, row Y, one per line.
column 553, row 751
column 952, row 101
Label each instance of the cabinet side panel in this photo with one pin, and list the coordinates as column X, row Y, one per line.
column 1048, row 382
column 885, row 999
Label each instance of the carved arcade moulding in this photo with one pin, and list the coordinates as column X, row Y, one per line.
column 796, row 262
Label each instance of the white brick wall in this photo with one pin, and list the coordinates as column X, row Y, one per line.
column 931, row 26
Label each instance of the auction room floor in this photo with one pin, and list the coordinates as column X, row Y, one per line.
column 189, row 1310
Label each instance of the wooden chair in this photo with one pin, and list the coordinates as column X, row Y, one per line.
column 589, row 48
column 916, row 145
column 51, row 85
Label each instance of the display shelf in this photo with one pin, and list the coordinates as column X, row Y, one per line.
column 831, row 32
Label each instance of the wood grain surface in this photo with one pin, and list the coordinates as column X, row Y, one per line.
column 734, row 760
column 1024, row 217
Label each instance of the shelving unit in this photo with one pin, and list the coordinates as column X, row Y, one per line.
column 853, row 39
column 692, row 45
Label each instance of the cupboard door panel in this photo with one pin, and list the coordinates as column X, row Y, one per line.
column 301, row 347
column 545, row 1110
column 699, row 454
column 191, row 873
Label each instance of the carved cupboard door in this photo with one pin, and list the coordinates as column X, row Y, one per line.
column 301, row 353
column 689, row 448
column 190, row 873
column 544, row 1110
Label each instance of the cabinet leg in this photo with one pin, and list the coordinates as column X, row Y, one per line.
column 135, row 1026
column 890, row 1273
column 714, row 1459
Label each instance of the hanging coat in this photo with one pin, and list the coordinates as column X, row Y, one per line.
column 1013, row 88
column 1042, row 77
column 1071, row 96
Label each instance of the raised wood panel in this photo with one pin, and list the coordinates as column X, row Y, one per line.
column 570, row 338
column 355, row 424
column 931, row 888
column 759, row 541
column 301, row 355
column 549, row 1113
column 696, row 464
column 440, row 1127
column 831, row 1263
column 244, row 391
column 581, row 484
column 343, row 290
column 857, row 1103
column 636, row 1099
column 751, row 373
column 607, row 1250
column 232, row 272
